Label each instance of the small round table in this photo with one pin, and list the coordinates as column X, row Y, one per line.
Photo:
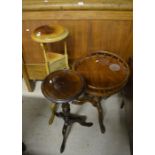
column 105, row 73
column 62, row 87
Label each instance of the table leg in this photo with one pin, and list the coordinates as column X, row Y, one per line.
column 100, row 115
column 53, row 108
column 64, row 133
column 96, row 102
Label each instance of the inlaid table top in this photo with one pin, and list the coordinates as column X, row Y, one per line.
column 104, row 72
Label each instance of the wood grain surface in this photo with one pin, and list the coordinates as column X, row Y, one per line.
column 62, row 86
column 75, row 5
column 85, row 36
column 104, row 72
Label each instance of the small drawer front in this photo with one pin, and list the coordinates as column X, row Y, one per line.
column 36, row 72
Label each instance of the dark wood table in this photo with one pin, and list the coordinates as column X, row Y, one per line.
column 105, row 73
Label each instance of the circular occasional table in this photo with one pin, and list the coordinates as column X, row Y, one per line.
column 62, row 87
column 105, row 73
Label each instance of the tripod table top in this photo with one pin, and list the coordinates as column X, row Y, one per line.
column 63, row 86
column 104, row 72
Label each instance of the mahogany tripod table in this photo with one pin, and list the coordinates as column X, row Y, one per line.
column 105, row 73
column 62, row 87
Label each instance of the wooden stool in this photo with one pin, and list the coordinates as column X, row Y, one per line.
column 105, row 73
column 46, row 35
column 62, row 87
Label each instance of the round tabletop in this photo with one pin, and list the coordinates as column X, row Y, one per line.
column 104, row 72
column 63, row 86
column 49, row 34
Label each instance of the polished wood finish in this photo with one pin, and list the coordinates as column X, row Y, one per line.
column 105, row 73
column 62, row 86
column 29, row 5
column 49, row 34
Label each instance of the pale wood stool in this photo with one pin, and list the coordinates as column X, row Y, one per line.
column 50, row 34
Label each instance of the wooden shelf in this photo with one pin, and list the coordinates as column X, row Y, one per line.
column 52, row 57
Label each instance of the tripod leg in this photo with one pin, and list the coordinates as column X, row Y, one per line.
column 100, row 116
column 88, row 124
column 82, row 121
column 64, row 133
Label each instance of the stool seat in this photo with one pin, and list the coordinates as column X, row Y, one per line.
column 63, row 86
column 105, row 73
column 49, row 34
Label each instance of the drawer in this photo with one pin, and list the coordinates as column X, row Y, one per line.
column 36, row 72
